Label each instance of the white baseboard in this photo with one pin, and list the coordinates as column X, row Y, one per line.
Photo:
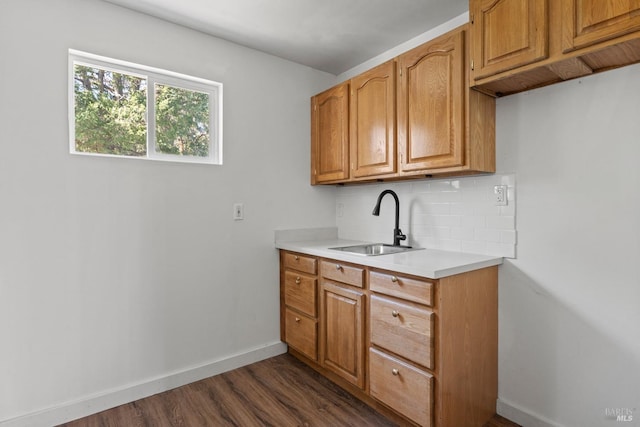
column 92, row 404
column 523, row 416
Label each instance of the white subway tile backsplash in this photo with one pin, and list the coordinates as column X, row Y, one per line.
column 473, row 221
column 458, row 208
column 437, row 220
column 450, row 214
column 486, row 208
column 463, row 233
column 510, row 209
column 444, row 244
column 438, row 208
column 474, row 246
column 487, row 235
column 501, row 249
column 501, row 222
column 508, row 236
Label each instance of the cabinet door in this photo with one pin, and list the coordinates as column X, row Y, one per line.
column 506, row 34
column 586, row 22
column 373, row 118
column 342, row 332
column 330, row 135
column 431, row 104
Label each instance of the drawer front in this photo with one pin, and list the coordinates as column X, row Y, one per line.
column 404, row 329
column 339, row 272
column 300, row 292
column 401, row 386
column 301, row 333
column 305, row 264
column 420, row 291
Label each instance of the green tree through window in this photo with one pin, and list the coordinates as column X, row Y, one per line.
column 182, row 121
column 137, row 111
column 110, row 110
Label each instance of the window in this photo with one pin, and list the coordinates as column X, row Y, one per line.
column 122, row 109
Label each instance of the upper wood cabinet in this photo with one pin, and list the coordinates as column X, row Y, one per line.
column 518, row 45
column 330, row 135
column 430, row 108
column 591, row 21
column 411, row 117
column 373, row 119
column 508, row 34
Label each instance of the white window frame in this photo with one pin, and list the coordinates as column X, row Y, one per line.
column 153, row 76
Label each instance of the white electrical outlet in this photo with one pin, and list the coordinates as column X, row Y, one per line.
column 238, row 211
column 500, row 193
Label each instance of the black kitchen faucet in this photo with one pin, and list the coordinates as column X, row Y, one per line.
column 397, row 233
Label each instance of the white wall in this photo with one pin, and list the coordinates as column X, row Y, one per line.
column 570, row 302
column 119, row 272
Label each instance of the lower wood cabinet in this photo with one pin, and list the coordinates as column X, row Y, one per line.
column 422, row 351
column 299, row 302
column 342, row 332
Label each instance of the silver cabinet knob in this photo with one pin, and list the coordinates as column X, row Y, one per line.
column 395, row 313
column 298, row 280
column 394, row 279
column 338, row 267
column 395, row 372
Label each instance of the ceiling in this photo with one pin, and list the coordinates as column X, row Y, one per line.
column 329, row 35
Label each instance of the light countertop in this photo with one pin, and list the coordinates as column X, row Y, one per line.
column 429, row 263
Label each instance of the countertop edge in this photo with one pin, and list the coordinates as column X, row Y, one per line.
column 429, row 263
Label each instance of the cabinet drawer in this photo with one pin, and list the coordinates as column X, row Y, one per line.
column 404, row 329
column 302, row 263
column 339, row 272
column 420, row 291
column 401, row 386
column 300, row 292
column 301, row 333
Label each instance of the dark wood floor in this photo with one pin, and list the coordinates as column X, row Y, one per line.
column 280, row 391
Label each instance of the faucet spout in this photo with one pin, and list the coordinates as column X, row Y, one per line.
column 397, row 233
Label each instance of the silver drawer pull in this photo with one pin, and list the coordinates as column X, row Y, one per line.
column 338, row 267
column 297, row 319
column 298, row 280
column 395, row 372
column 297, row 258
column 395, row 313
column 394, row 279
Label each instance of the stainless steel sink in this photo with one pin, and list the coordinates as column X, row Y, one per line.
column 372, row 249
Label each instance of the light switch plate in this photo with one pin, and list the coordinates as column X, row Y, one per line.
column 238, row 211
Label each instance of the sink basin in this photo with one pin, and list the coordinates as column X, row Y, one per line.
column 371, row 249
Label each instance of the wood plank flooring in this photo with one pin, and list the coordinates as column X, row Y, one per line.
column 281, row 391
